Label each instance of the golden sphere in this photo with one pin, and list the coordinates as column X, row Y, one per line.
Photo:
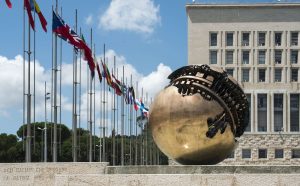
column 179, row 125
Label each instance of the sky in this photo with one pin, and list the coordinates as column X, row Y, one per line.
column 148, row 38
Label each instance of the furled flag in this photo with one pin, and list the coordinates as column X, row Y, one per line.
column 141, row 106
column 117, row 85
column 98, row 71
column 35, row 7
column 8, row 3
column 66, row 33
column 106, row 74
column 28, row 8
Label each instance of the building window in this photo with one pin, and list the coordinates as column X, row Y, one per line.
column 261, row 39
column 246, row 153
column 262, row 153
column 278, row 37
column 294, row 112
column 261, row 57
column 248, row 128
column 245, row 39
column 245, row 57
column 294, row 56
column 213, row 39
column 262, row 112
column 294, row 38
column 277, row 75
column 261, row 75
column 229, row 39
column 278, row 112
column 229, row 57
column 231, row 155
column 245, row 73
column 213, row 57
column 278, row 153
column 295, row 153
column 230, row 71
column 294, row 74
column 278, row 56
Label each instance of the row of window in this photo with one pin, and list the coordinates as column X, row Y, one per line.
column 262, row 74
column 263, row 153
column 261, row 56
column 278, row 105
column 261, row 38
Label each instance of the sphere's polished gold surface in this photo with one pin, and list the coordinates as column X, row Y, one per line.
column 179, row 125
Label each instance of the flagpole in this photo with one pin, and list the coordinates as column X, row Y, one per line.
column 122, row 124
column 74, row 125
column 94, row 109
column 79, row 114
column 52, row 92
column 104, row 102
column 34, row 132
column 117, row 119
column 130, row 124
column 91, row 111
column 136, row 132
column 28, row 138
column 54, row 157
column 24, row 82
column 114, row 119
column 106, row 122
column 146, row 131
column 60, row 80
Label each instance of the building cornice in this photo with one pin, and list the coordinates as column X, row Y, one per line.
column 254, row 5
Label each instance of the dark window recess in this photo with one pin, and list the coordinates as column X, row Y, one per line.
column 278, row 56
column 229, row 57
column 262, row 75
column 229, row 39
column 231, row 155
column 278, row 73
column 261, row 39
column 278, row 153
column 245, row 57
column 246, row 153
column 278, row 112
column 213, row 57
column 245, row 39
column 294, row 112
column 262, row 112
column 294, row 56
column 261, row 57
column 295, row 153
column 230, row 71
column 248, row 128
column 278, row 37
column 294, row 38
column 294, row 75
column 262, row 153
column 213, row 39
column 245, row 75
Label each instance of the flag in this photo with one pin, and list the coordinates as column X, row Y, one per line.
column 8, row 3
column 131, row 96
column 66, row 33
column 28, row 8
column 106, row 74
column 140, row 105
column 36, row 8
column 117, row 85
column 98, row 71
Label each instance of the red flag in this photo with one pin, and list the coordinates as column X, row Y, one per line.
column 28, row 8
column 8, row 3
column 41, row 16
column 98, row 70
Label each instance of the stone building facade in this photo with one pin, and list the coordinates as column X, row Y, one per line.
column 259, row 45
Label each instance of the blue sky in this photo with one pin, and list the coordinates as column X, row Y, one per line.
column 149, row 38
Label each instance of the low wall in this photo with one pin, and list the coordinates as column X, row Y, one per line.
column 179, row 180
column 26, row 174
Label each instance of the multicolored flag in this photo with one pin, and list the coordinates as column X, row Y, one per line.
column 117, row 85
column 8, row 3
column 141, row 106
column 35, row 7
column 28, row 9
column 106, row 74
column 98, row 71
column 66, row 33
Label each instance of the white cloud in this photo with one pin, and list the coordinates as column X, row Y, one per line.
column 89, row 20
column 139, row 16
